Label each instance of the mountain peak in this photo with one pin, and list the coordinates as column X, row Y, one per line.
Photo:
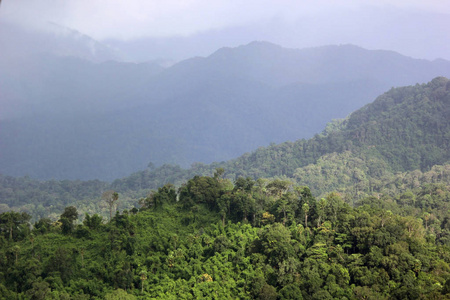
column 255, row 44
column 252, row 46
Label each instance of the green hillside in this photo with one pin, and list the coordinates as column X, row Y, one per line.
column 408, row 128
column 405, row 129
column 389, row 146
column 361, row 211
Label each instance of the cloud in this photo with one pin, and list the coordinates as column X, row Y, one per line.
column 413, row 27
column 136, row 18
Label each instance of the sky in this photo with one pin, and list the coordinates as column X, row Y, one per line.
column 150, row 28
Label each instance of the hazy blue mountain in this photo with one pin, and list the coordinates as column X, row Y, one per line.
column 71, row 118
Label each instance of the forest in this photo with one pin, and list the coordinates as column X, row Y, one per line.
column 388, row 147
column 249, row 239
column 360, row 211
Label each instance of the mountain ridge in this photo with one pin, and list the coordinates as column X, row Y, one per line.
column 199, row 110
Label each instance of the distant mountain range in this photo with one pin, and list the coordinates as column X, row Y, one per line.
column 69, row 118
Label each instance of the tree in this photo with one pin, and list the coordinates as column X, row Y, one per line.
column 287, row 205
column 93, row 222
column 69, row 215
column 43, row 225
column 61, row 261
column 334, row 203
column 426, row 218
column 268, row 292
column 110, row 197
column 218, row 174
column 16, row 251
column 291, row 292
column 223, row 204
column 12, row 223
column 165, row 195
column 244, row 203
column 200, row 189
column 119, row 294
column 278, row 187
column 276, row 243
column 143, row 277
column 305, row 208
column 305, row 197
column 39, row 291
column 244, row 184
column 321, row 205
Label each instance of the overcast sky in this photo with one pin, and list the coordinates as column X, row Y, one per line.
column 415, row 28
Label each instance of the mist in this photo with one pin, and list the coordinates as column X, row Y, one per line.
column 176, row 30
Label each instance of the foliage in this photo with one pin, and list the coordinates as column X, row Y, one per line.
column 379, row 229
column 277, row 242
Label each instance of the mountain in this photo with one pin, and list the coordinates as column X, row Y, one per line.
column 397, row 143
column 385, row 233
column 67, row 118
column 58, row 70
column 406, row 129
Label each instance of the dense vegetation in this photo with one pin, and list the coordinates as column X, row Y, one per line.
column 217, row 239
column 361, row 211
column 388, row 147
column 406, row 129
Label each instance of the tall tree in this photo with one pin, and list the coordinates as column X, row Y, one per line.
column 110, row 197
column 305, row 208
column 12, row 223
column 69, row 215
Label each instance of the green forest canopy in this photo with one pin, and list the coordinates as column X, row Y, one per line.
column 247, row 239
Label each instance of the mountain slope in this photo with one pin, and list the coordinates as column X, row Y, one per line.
column 404, row 129
column 407, row 127
column 369, row 153
column 65, row 118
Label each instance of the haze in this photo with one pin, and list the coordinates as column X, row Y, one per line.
column 98, row 89
column 147, row 30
